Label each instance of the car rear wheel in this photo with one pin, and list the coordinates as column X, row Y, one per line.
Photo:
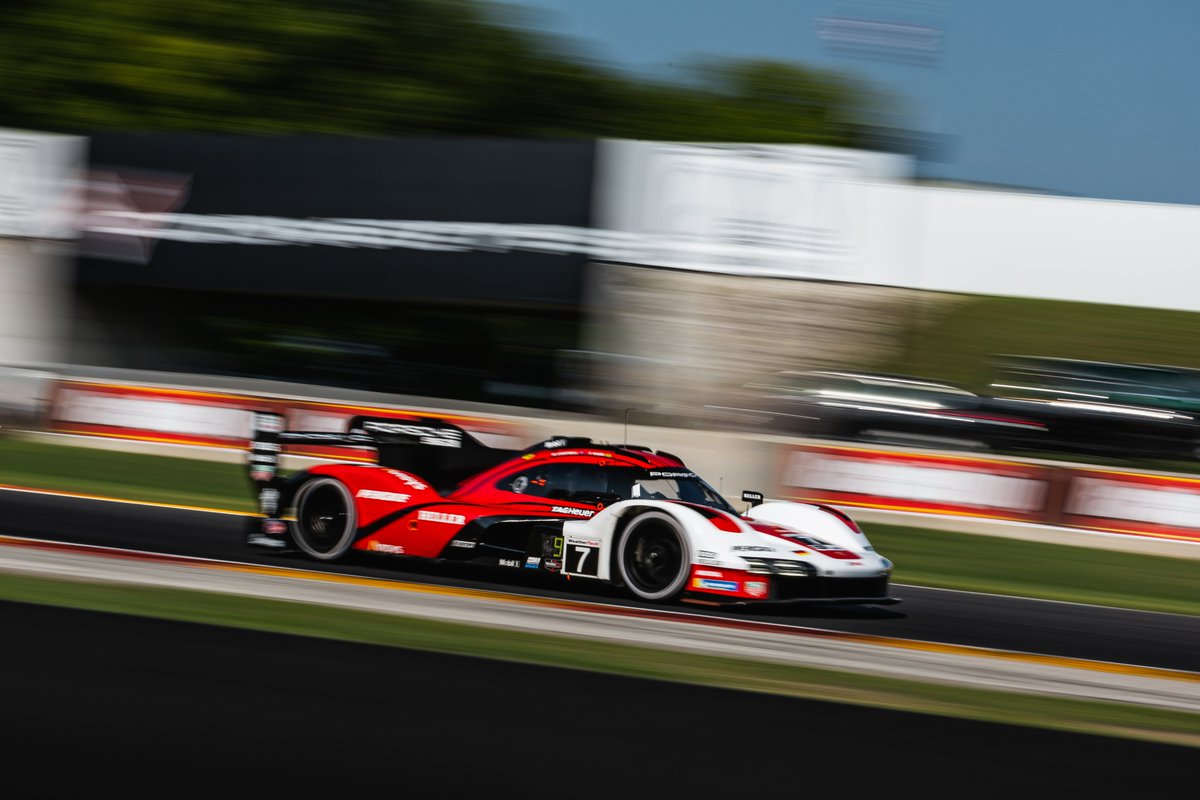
column 325, row 518
column 654, row 558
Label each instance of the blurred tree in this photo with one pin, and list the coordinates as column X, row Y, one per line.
column 381, row 67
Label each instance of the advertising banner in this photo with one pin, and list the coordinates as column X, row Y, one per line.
column 912, row 481
column 1162, row 506
column 224, row 419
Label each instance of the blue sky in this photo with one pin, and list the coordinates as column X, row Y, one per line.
column 1096, row 98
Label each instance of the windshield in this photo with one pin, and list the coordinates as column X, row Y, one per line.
column 665, row 484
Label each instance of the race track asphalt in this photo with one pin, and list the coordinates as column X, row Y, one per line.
column 105, row 705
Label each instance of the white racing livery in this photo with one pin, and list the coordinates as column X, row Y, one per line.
column 782, row 551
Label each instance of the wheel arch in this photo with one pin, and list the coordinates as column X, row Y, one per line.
column 684, row 519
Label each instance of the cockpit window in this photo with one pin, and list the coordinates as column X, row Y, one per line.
column 592, row 483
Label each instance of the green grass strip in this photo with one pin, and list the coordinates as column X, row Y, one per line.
column 128, row 476
column 1106, row 719
column 1000, row 565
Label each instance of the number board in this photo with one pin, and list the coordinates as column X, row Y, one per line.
column 582, row 557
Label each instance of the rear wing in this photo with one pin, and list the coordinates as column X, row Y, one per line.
column 438, row 451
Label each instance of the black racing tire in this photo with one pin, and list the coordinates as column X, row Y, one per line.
column 326, row 519
column 654, row 557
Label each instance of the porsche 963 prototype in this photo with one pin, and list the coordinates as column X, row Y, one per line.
column 622, row 514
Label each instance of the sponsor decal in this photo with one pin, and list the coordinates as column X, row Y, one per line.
column 756, row 588
column 307, row 437
column 584, row 542
column 389, row 497
column 439, row 437
column 710, row 573
column 706, row 553
column 752, row 548
column 720, row 586
column 274, row 527
column 533, row 562
column 553, row 564
column 438, row 516
column 836, row 552
column 463, row 543
column 669, row 473
column 708, row 558
column 555, row 443
column 576, row 512
column 382, row 547
column 509, row 562
column 267, row 447
column 408, row 480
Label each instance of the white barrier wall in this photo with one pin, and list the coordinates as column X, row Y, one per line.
column 1061, row 248
column 813, row 213
column 40, row 197
column 35, row 302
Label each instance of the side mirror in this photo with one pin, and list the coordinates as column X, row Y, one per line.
column 753, row 498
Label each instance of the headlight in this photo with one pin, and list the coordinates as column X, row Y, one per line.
column 778, row 566
column 794, row 568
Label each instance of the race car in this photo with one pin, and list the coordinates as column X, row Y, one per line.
column 622, row 514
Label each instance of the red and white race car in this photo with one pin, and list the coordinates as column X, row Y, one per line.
column 623, row 514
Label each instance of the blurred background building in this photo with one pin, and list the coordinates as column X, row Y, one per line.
column 439, row 199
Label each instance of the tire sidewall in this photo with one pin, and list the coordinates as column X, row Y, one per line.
column 685, row 547
column 347, row 539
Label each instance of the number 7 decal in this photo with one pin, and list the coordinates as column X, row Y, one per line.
column 583, row 552
column 584, row 564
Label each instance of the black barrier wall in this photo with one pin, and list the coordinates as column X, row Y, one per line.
column 374, row 263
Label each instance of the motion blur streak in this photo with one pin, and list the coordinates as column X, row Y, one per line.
column 609, row 609
column 28, row 490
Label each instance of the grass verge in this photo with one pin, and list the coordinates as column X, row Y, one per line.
column 1105, row 719
column 128, row 476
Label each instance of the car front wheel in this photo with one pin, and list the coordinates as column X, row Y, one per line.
column 654, row 559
